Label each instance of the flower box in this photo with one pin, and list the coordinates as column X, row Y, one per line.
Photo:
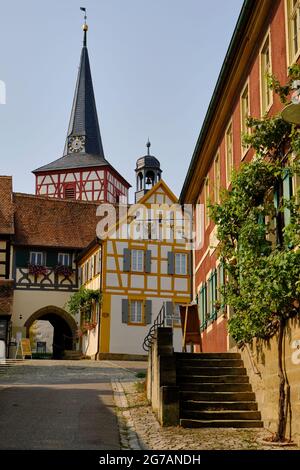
column 37, row 269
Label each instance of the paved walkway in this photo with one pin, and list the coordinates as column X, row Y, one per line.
column 61, row 404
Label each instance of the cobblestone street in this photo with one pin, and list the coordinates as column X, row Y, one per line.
column 152, row 436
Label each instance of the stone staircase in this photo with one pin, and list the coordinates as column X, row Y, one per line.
column 8, row 363
column 215, row 391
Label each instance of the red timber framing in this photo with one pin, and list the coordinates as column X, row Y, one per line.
column 85, row 184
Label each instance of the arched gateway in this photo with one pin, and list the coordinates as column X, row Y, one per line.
column 64, row 325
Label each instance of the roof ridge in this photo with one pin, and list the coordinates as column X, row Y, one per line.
column 49, row 198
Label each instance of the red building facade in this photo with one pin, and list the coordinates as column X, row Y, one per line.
column 266, row 40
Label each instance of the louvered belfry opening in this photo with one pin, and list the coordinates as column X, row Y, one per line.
column 69, row 192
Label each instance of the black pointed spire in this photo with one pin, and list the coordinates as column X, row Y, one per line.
column 84, row 133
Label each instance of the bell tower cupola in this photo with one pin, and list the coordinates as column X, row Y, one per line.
column 148, row 173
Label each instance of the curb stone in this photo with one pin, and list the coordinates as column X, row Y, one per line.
column 128, row 436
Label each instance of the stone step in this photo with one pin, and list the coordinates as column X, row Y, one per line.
column 212, row 379
column 182, row 370
column 216, row 387
column 210, row 363
column 218, row 405
column 221, row 415
column 224, row 355
column 193, row 423
column 217, row 396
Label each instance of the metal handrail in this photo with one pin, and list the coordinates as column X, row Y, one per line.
column 158, row 322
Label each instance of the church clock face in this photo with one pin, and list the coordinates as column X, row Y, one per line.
column 76, row 144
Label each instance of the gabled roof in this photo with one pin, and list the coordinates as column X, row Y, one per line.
column 6, row 206
column 220, row 92
column 51, row 222
column 159, row 185
column 75, row 160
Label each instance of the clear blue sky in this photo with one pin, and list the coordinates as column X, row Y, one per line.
column 154, row 65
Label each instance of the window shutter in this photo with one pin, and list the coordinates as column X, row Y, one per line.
column 171, row 262
column 148, row 311
column 148, row 261
column 126, row 259
column 125, row 310
column 169, row 313
column 189, row 263
column 287, row 193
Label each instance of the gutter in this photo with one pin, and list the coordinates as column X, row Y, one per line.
column 246, row 11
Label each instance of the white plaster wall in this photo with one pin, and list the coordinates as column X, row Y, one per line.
column 181, row 284
column 125, row 339
column 26, row 303
column 112, row 280
column 151, row 282
column 165, row 283
column 137, row 281
column 111, row 263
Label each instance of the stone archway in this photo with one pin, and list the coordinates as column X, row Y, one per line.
column 64, row 328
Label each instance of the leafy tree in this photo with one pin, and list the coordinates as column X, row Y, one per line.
column 260, row 238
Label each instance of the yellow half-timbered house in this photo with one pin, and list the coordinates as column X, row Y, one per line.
column 139, row 274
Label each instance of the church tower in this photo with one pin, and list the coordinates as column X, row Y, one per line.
column 82, row 173
column 148, row 173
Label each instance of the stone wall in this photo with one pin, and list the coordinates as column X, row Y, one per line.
column 6, row 295
column 261, row 361
column 162, row 391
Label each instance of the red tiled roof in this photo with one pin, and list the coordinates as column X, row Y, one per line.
column 42, row 221
column 6, row 206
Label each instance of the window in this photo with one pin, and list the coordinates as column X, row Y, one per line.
column 212, row 290
column 64, row 259
column 36, row 258
column 265, row 70
column 293, row 27
column 137, row 260
column 244, row 116
column 221, row 279
column 229, row 153
column 181, row 263
column 217, row 179
column 202, row 304
column 136, row 311
column 206, row 201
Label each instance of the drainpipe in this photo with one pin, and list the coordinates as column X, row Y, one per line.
column 100, row 305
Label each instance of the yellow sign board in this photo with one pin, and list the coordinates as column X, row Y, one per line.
column 24, row 346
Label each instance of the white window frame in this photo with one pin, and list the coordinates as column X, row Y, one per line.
column 33, row 258
column 229, row 162
column 217, row 177
column 64, row 256
column 243, row 117
column 266, row 94
column 290, row 13
column 180, row 267
column 136, row 311
column 206, row 199
column 137, row 260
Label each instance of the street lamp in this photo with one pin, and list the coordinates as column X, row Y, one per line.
column 291, row 113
